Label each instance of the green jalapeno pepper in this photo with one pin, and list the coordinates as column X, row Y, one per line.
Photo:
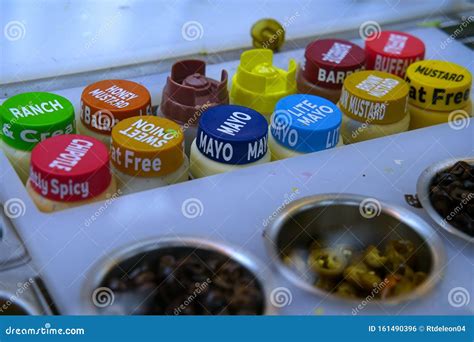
column 360, row 275
column 347, row 290
column 374, row 258
column 327, row 262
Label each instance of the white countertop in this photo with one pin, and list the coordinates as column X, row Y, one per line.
column 43, row 38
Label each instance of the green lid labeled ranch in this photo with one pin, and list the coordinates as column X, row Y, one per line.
column 30, row 118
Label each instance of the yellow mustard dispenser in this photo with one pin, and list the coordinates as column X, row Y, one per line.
column 439, row 92
column 258, row 84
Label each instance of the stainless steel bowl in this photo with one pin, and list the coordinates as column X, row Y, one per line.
column 337, row 218
column 12, row 305
column 125, row 254
column 423, row 192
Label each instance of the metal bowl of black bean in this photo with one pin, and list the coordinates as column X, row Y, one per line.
column 446, row 192
column 178, row 276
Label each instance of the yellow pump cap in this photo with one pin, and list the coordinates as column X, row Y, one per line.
column 374, row 97
column 258, row 84
column 438, row 85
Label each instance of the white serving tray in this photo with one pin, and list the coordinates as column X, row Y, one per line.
column 234, row 205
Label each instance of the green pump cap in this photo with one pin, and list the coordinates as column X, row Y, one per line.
column 29, row 118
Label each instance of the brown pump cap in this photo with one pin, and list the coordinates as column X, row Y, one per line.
column 188, row 92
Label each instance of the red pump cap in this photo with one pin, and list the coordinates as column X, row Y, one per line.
column 330, row 61
column 393, row 52
column 70, row 168
column 188, row 92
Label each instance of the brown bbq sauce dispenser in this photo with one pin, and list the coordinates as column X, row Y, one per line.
column 188, row 93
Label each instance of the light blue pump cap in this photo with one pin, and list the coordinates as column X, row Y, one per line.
column 306, row 123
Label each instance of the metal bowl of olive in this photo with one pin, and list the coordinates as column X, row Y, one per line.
column 178, row 276
column 350, row 247
column 446, row 192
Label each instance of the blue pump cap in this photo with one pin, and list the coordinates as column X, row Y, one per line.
column 232, row 134
column 306, row 123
